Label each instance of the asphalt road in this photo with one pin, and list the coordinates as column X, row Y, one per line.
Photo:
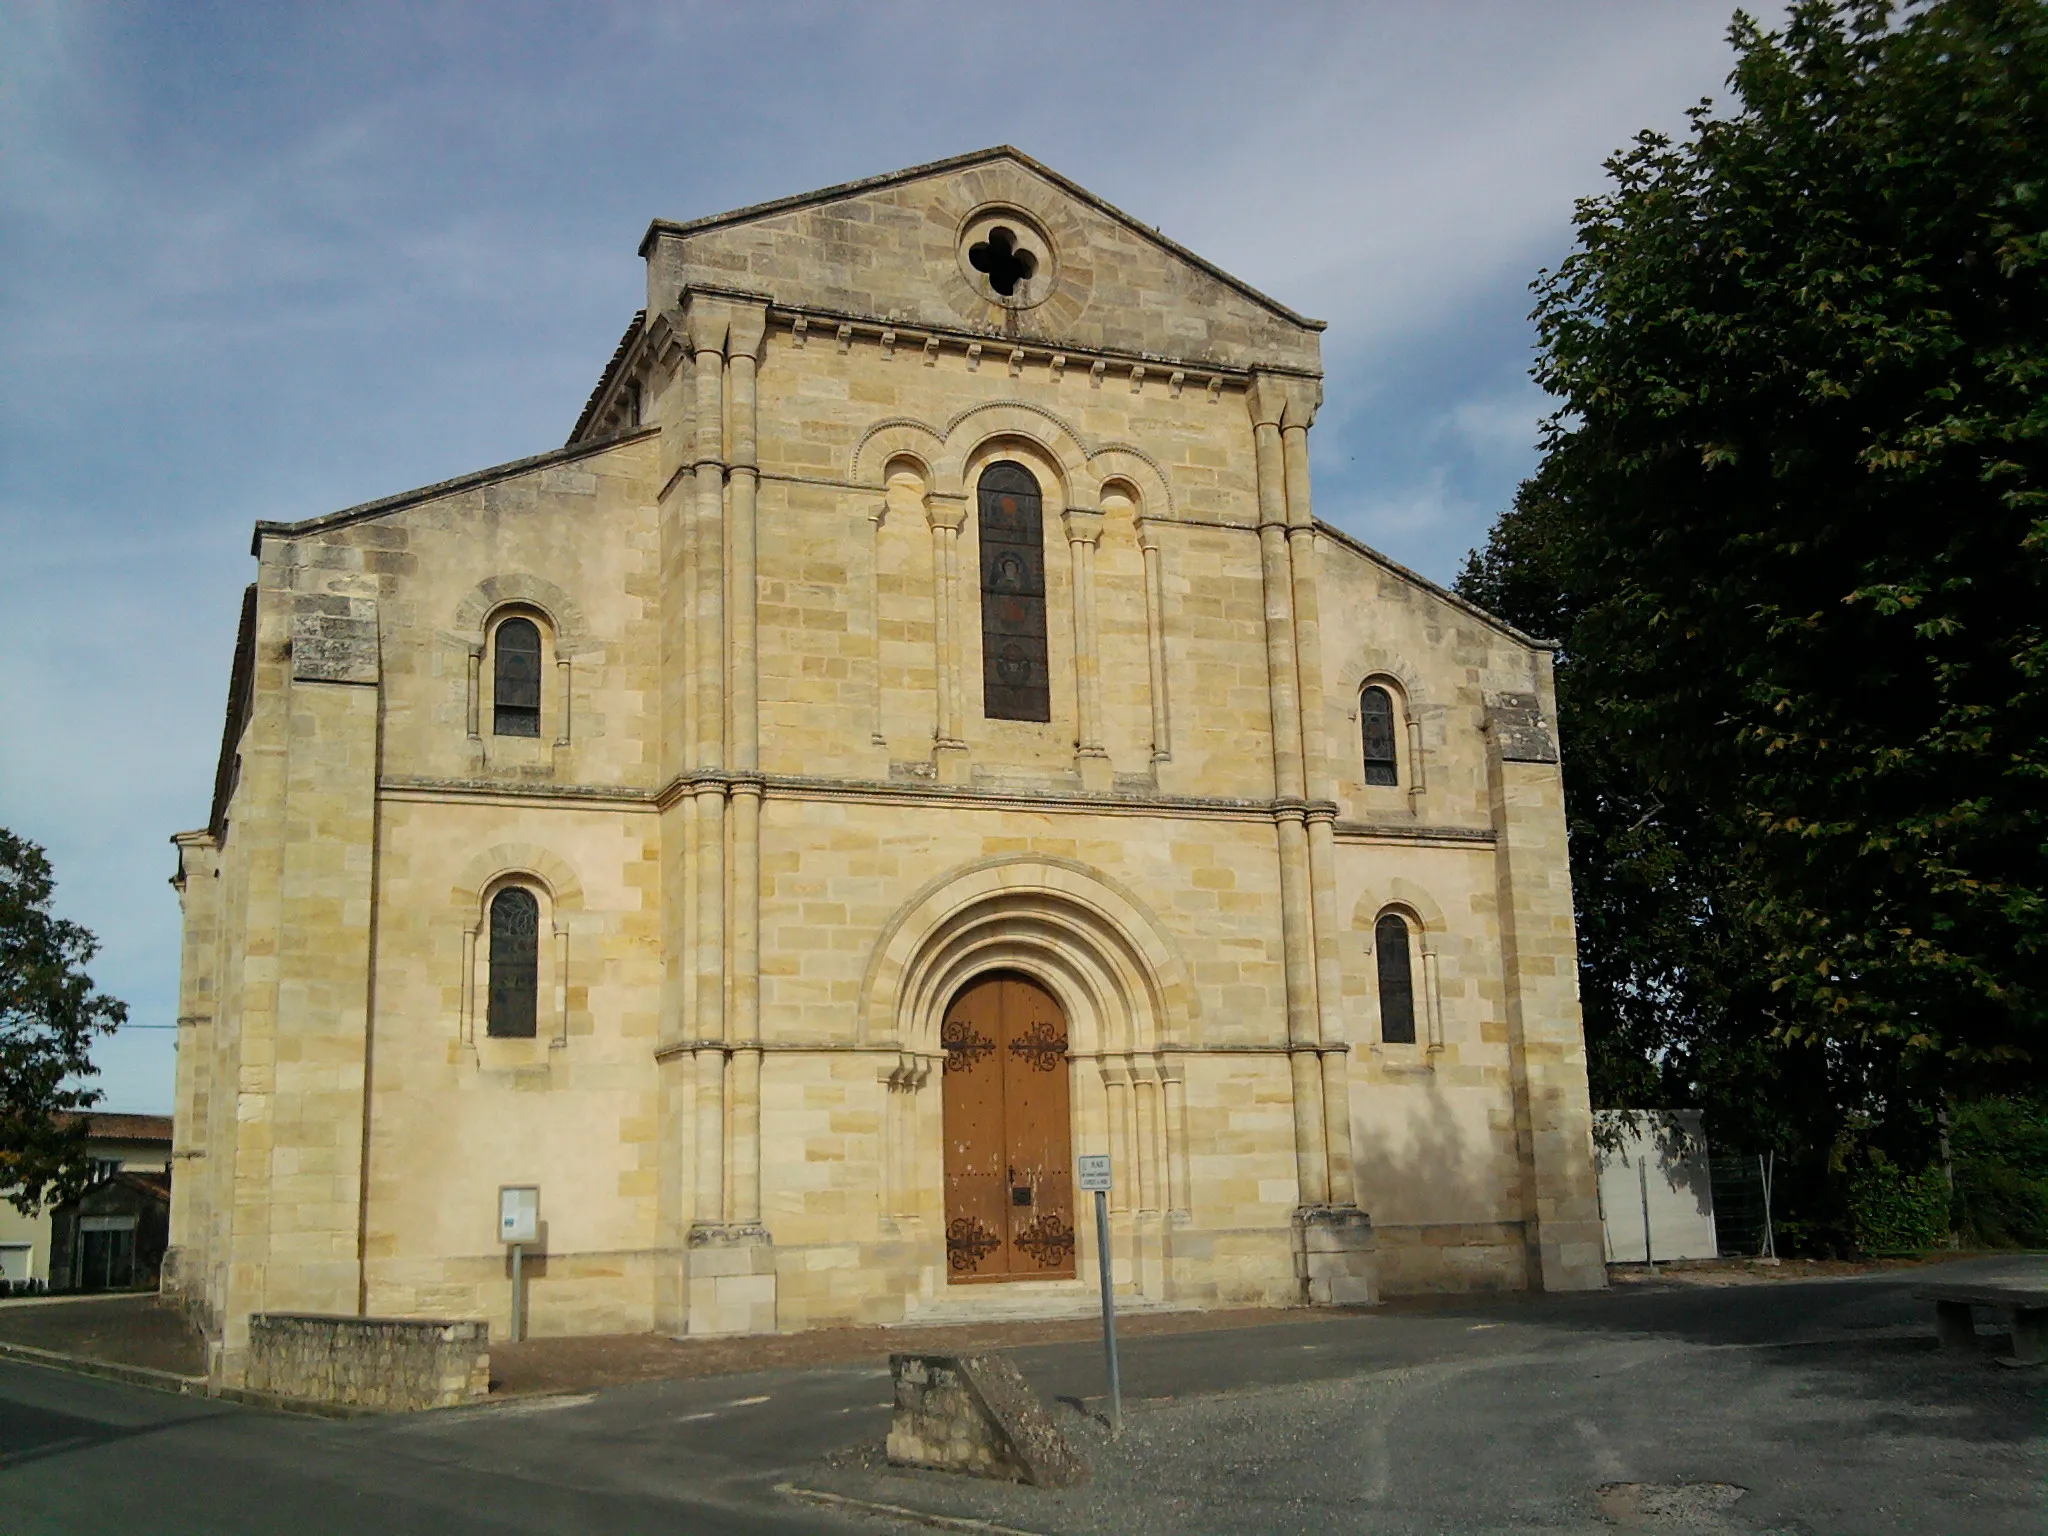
column 1825, row 1400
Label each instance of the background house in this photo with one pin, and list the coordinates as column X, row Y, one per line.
column 119, row 1144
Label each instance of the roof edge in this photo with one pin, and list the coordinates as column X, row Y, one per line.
column 635, row 328
column 1463, row 604
column 1101, row 205
column 362, row 511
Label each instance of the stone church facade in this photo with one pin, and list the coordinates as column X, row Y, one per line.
column 916, row 731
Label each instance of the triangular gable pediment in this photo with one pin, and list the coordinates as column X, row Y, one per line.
column 894, row 248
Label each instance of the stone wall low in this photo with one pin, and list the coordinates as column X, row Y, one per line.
column 396, row 1364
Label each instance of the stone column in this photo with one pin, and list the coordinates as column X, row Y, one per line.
column 945, row 514
column 1539, row 963
column 705, row 327
column 1266, row 399
column 1173, row 1078
column 878, row 515
column 1302, row 399
column 1116, row 1087
column 1155, row 641
column 1334, row 1243
column 731, row 1261
column 1149, row 1248
column 743, row 345
column 673, row 404
column 1084, row 534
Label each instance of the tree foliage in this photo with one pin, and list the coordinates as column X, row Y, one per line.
column 49, row 1014
column 1791, row 524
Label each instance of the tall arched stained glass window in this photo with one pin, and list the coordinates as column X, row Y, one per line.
column 515, row 690
column 1016, row 677
column 515, row 964
column 1397, row 980
column 1376, row 725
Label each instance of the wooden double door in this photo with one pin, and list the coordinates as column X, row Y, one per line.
column 1009, row 1140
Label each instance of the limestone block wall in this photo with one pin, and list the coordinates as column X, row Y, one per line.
column 574, row 1110
column 891, row 249
column 572, row 545
column 870, row 451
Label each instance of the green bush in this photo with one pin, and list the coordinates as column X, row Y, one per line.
column 1999, row 1149
column 1893, row 1211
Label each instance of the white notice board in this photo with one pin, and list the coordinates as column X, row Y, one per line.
column 1091, row 1171
column 519, row 1213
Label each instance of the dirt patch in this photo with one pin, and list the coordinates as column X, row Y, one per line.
column 1759, row 1272
column 129, row 1330
column 610, row 1360
column 1684, row 1505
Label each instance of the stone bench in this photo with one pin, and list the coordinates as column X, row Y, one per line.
column 2025, row 1309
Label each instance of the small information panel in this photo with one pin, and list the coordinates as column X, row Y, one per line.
column 519, row 1213
column 1091, row 1171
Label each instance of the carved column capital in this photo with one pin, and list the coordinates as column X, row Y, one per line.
column 747, row 330
column 1083, row 525
column 1283, row 400
column 704, row 324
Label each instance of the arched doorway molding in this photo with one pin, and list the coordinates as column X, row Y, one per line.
column 1130, row 1006
column 1094, row 945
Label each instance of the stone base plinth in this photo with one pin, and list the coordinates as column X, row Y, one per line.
column 729, row 1282
column 1336, row 1258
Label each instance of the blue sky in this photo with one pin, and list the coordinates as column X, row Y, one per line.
column 264, row 261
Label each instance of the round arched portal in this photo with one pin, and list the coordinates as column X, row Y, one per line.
column 1008, row 1113
column 1108, row 978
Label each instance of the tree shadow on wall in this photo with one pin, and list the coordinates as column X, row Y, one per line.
column 1426, row 1167
column 1675, row 1152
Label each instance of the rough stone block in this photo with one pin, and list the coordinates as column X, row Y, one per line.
column 1516, row 722
column 976, row 1414
column 334, row 640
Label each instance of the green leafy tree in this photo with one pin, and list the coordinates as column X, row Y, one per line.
column 1792, row 527
column 49, row 1014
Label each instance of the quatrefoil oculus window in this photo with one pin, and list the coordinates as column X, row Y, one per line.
column 1007, row 258
column 999, row 260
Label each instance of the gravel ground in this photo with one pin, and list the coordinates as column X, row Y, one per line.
column 1553, row 1428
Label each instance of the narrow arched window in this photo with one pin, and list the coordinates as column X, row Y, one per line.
column 515, row 680
column 515, row 964
column 1376, row 725
column 1016, row 677
column 1397, row 980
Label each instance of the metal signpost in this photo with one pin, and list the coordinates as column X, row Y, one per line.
column 1092, row 1171
column 1643, row 1179
column 518, row 1225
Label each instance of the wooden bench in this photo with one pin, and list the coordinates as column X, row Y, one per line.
column 2025, row 1308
